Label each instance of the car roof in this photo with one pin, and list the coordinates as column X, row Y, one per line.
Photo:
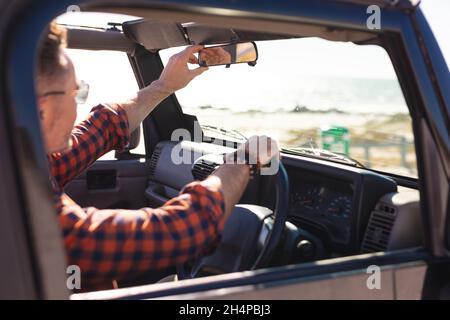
column 391, row 4
column 156, row 35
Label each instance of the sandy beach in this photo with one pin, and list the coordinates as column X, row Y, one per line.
column 297, row 128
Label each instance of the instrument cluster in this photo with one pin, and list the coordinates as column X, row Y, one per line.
column 326, row 202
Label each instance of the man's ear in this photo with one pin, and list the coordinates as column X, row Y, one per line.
column 41, row 101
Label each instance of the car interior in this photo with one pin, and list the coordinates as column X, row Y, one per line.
column 313, row 209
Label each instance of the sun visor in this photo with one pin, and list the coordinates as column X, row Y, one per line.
column 155, row 34
column 200, row 34
column 79, row 38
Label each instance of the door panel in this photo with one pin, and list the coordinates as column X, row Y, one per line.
column 402, row 276
column 410, row 281
column 334, row 286
column 111, row 184
column 350, row 285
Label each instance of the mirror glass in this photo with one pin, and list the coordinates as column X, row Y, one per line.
column 228, row 54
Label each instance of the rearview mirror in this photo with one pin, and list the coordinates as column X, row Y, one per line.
column 228, row 54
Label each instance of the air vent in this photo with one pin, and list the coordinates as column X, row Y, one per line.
column 202, row 169
column 154, row 160
column 379, row 229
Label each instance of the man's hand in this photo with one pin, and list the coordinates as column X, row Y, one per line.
column 214, row 56
column 233, row 178
column 176, row 75
column 259, row 150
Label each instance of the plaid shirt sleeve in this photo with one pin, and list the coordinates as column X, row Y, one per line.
column 105, row 129
column 119, row 245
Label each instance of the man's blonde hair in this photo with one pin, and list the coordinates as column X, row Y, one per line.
column 49, row 56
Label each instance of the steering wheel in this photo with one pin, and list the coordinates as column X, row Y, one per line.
column 249, row 227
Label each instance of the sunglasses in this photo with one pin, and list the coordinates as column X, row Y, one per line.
column 80, row 94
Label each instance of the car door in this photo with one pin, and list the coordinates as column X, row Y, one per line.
column 399, row 275
column 398, row 270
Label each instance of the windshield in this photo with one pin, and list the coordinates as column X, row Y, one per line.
column 311, row 93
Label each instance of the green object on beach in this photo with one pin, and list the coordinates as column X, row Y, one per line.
column 335, row 139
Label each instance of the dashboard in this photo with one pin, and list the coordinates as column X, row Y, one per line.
column 330, row 200
column 333, row 201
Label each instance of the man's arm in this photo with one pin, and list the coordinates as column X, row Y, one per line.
column 108, row 130
column 232, row 179
column 118, row 244
column 122, row 244
column 176, row 75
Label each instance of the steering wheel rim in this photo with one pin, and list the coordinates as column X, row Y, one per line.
column 280, row 215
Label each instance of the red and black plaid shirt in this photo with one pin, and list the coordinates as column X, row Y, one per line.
column 122, row 244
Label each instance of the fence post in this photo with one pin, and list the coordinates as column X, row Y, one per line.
column 367, row 153
column 403, row 152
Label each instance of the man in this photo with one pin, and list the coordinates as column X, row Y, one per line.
column 118, row 244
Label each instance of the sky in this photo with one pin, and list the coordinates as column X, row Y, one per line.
column 437, row 13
